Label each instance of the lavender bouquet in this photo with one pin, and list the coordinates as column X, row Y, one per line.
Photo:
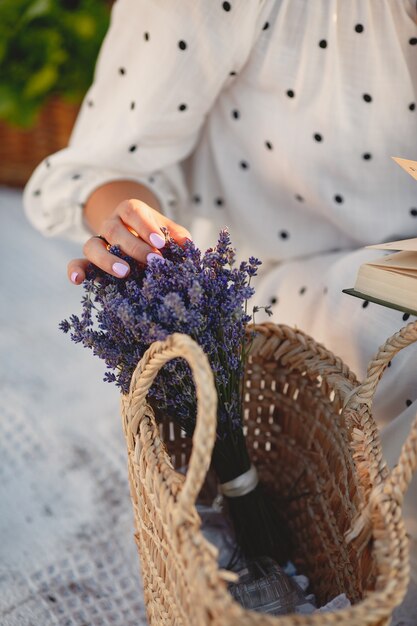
column 206, row 297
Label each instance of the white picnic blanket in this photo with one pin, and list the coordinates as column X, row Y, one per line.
column 67, row 555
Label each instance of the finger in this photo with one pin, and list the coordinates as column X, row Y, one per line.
column 177, row 232
column 96, row 252
column 76, row 270
column 116, row 233
column 144, row 221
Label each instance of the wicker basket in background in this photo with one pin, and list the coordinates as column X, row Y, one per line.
column 317, row 450
column 22, row 150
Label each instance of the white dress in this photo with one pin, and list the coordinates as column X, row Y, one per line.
column 276, row 118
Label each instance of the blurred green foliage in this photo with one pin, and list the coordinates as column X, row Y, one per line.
column 47, row 47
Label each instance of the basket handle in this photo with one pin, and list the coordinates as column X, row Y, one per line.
column 175, row 346
column 394, row 484
column 401, row 475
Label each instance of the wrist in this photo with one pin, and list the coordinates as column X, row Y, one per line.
column 103, row 201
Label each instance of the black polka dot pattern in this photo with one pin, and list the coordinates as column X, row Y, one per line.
column 405, row 317
column 247, row 168
column 408, row 402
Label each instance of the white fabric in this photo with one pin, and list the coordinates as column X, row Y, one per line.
column 229, row 119
column 277, row 118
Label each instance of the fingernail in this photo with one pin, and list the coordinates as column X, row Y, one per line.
column 74, row 277
column 152, row 255
column 120, row 269
column 157, row 240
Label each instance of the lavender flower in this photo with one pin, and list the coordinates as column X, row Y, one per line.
column 204, row 296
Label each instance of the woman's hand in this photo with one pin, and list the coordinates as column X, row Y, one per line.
column 136, row 228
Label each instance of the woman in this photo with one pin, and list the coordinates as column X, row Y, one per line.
column 276, row 118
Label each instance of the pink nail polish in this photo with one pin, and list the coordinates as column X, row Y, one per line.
column 152, row 255
column 120, row 269
column 157, row 240
column 74, row 277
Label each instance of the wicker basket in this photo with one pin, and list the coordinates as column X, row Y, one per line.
column 22, row 150
column 342, row 506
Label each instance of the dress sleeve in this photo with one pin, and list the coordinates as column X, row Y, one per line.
column 160, row 69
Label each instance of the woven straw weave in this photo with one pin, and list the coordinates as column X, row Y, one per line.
column 321, row 461
column 21, row 150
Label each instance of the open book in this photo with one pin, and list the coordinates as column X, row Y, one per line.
column 392, row 279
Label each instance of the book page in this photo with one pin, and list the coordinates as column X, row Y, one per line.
column 402, row 244
column 392, row 279
column 407, row 165
column 391, row 286
column 398, row 261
